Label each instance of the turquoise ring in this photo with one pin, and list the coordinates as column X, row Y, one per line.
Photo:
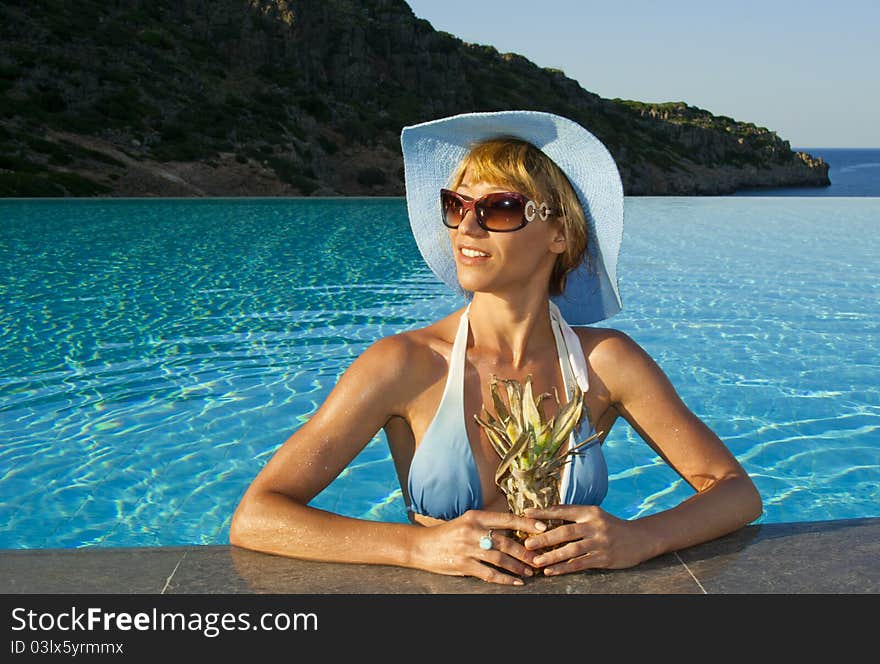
column 486, row 542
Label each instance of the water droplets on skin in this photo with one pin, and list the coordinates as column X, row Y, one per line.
column 157, row 352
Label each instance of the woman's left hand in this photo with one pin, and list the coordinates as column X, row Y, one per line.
column 593, row 538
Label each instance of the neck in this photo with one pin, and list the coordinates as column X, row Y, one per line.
column 511, row 329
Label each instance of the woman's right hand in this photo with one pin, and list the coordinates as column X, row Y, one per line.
column 453, row 547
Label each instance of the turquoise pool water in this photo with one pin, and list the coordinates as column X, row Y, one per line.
column 155, row 353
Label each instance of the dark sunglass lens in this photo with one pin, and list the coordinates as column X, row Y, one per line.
column 451, row 208
column 502, row 212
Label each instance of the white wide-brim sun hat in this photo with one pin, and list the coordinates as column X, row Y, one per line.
column 432, row 151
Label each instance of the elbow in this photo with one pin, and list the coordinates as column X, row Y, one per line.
column 758, row 504
column 752, row 503
column 261, row 520
column 742, row 498
column 241, row 530
column 237, row 532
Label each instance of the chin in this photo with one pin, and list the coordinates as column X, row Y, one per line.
column 472, row 283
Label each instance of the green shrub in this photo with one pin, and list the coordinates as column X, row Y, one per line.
column 316, row 107
column 77, row 185
column 304, row 184
column 25, row 56
column 115, row 74
column 86, row 121
column 267, row 71
column 171, row 131
column 121, row 108
column 85, row 153
column 12, row 162
column 46, row 147
column 114, row 36
column 233, row 101
column 9, row 72
column 156, row 39
column 285, row 169
column 26, row 185
column 304, row 151
column 60, row 159
column 189, row 147
column 328, row 145
column 371, row 176
column 50, row 101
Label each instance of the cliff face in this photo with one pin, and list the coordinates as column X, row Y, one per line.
column 305, row 97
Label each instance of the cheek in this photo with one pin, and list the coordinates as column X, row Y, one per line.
column 530, row 254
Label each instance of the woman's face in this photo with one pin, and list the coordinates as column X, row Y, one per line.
column 502, row 262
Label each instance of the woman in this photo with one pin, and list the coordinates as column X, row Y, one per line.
column 522, row 213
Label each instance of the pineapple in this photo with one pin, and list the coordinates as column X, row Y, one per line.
column 533, row 450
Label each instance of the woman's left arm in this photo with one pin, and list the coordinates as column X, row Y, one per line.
column 726, row 498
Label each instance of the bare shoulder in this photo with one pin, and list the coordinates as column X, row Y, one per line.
column 606, row 345
column 618, row 360
column 411, row 357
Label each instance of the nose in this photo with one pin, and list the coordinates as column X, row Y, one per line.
column 469, row 225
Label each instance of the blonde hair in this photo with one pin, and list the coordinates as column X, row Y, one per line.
column 514, row 163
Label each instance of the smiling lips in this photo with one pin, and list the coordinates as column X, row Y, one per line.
column 470, row 252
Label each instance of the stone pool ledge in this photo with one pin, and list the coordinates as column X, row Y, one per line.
column 841, row 556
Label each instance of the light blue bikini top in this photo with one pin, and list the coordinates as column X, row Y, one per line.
column 443, row 479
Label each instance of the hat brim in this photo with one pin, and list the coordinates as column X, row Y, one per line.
column 432, row 151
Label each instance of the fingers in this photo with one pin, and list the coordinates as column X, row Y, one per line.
column 501, row 524
column 509, row 555
column 492, row 575
column 508, row 559
column 564, row 549
column 588, row 560
column 507, row 521
column 560, row 554
column 563, row 512
column 557, row 536
column 484, row 549
column 502, row 541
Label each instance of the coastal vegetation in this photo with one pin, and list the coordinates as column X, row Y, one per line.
column 305, row 97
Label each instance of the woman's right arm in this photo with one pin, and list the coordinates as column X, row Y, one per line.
column 273, row 515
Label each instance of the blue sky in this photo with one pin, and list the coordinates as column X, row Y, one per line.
column 807, row 70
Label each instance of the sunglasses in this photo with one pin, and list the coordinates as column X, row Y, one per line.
column 499, row 212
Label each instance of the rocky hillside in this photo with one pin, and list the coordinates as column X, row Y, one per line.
column 305, row 97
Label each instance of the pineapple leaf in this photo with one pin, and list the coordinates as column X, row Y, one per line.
column 496, row 435
column 539, row 400
column 568, row 418
column 543, row 437
column 500, row 408
column 514, row 401
column 489, row 420
column 585, row 441
column 512, row 431
column 512, row 453
column 531, row 415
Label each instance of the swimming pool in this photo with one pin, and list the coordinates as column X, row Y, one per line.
column 156, row 352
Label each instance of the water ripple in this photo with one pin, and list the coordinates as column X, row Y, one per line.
column 156, row 353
